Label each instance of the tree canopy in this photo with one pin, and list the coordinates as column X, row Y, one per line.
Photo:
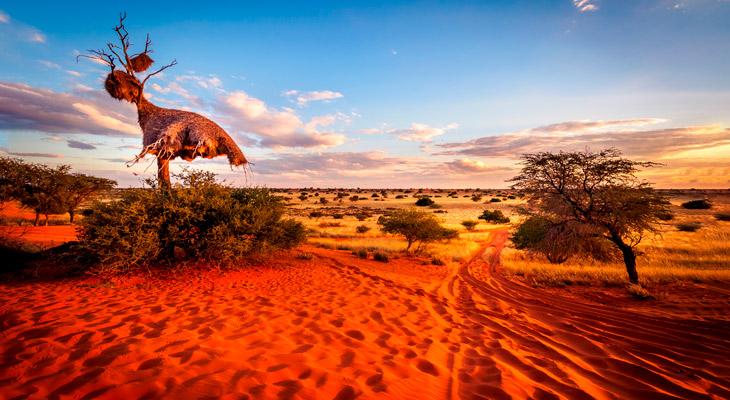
column 597, row 190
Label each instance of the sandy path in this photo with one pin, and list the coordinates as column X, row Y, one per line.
column 339, row 327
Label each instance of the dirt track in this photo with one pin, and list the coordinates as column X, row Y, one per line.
column 338, row 327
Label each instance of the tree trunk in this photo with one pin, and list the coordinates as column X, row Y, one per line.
column 37, row 217
column 71, row 214
column 45, row 221
column 630, row 261
column 163, row 173
column 410, row 243
column 629, row 257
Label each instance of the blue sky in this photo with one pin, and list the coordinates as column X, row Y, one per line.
column 384, row 94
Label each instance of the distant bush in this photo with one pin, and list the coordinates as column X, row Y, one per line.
column 722, row 216
column 469, row 224
column 362, row 229
column 338, row 216
column 437, row 261
column 494, row 216
column 416, row 227
column 361, row 253
column 330, row 224
column 196, row 220
column 665, row 216
column 354, row 198
column 315, row 214
column 380, row 256
column 361, row 216
column 689, row 226
column 425, row 202
column 322, row 200
column 495, row 200
column 476, row 198
column 400, row 196
column 702, row 204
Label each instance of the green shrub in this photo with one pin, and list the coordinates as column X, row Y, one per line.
column 196, row 220
column 702, row 204
column 362, row 228
column 380, row 256
column 425, row 202
column 722, row 216
column 494, row 216
column 415, row 226
column 689, row 226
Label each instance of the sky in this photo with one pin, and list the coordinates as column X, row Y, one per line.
column 381, row 94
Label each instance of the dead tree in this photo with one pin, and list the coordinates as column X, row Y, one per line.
column 167, row 133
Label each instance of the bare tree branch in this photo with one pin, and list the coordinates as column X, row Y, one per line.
column 173, row 63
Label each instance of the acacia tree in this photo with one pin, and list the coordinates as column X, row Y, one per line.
column 40, row 189
column 415, row 226
column 78, row 188
column 597, row 190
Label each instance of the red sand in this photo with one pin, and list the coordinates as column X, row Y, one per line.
column 339, row 327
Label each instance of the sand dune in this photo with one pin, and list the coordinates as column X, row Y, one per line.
column 339, row 327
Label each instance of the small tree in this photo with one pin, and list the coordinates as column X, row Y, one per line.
column 40, row 189
column 78, row 188
column 597, row 190
column 415, row 226
column 469, row 224
column 494, row 216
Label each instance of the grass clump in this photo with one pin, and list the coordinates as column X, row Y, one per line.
column 381, row 257
column 198, row 220
column 725, row 217
column 639, row 292
column 362, row 229
column 689, row 226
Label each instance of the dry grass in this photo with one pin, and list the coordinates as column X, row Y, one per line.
column 700, row 256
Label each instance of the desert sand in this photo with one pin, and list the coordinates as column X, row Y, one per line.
column 335, row 326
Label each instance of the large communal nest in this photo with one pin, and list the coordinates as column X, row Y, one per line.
column 122, row 86
column 141, row 62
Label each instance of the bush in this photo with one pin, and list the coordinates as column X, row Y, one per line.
column 476, row 198
column 362, row 216
column 495, row 200
column 437, row 261
column 361, row 253
column 494, row 216
column 689, row 226
column 722, row 216
column 415, row 226
column 362, row 228
column 469, row 224
column 665, row 216
column 198, row 219
column 425, row 202
column 338, row 216
column 380, row 256
column 315, row 214
column 400, row 196
column 702, row 204
column 354, row 198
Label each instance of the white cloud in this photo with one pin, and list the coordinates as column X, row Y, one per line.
column 4, row 18
column 303, row 98
column 275, row 128
column 585, row 5
column 23, row 107
column 421, row 132
column 49, row 64
column 37, row 37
